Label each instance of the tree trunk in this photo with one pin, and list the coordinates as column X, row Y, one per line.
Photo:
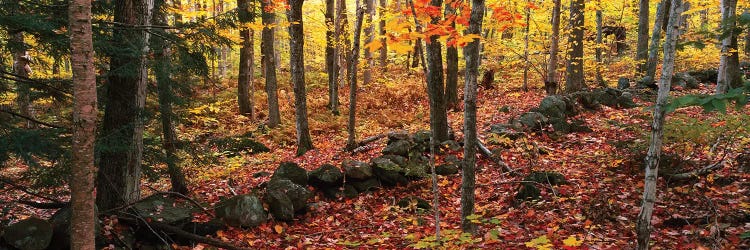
column 747, row 40
column 22, row 68
column 351, row 142
column 574, row 80
column 331, row 67
column 297, row 68
column 451, row 62
column 370, row 36
column 417, row 53
column 525, row 85
column 642, row 43
column 599, row 78
column 471, row 55
column 342, row 40
column 83, row 170
column 163, row 73
column 435, row 81
column 269, row 60
column 643, row 229
column 245, row 101
column 653, row 51
column 729, row 65
column 550, row 84
column 383, row 40
column 118, row 182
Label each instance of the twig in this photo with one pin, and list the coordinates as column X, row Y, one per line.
column 182, row 196
column 43, row 205
column 32, row 119
column 27, row 191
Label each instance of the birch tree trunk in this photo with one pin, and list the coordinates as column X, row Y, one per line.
column 353, row 62
column 525, row 85
column 550, row 83
column 471, row 55
column 729, row 65
column 653, row 51
column 118, row 182
column 297, row 68
column 83, row 170
column 643, row 227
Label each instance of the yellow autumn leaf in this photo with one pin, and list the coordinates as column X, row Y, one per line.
column 540, row 243
column 278, row 228
column 374, row 45
column 572, row 241
column 400, row 48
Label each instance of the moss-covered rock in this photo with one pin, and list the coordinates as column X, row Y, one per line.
column 241, row 211
column 326, row 176
column 291, row 171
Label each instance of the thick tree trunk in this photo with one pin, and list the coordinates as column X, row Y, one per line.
column 245, row 76
column 525, row 85
column 331, row 67
column 599, row 78
column 297, row 68
column 83, row 170
column 435, row 81
column 342, row 40
column 269, row 60
column 471, row 55
column 451, row 62
column 550, row 83
column 369, row 37
column 119, row 177
column 643, row 229
column 641, row 50
column 22, row 68
column 574, row 80
column 351, row 142
column 729, row 65
column 163, row 73
column 383, row 40
column 653, row 51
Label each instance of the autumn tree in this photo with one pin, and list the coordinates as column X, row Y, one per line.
column 269, row 60
column 574, row 80
column 653, row 51
column 331, row 66
column 471, row 55
column 598, row 49
column 297, row 65
column 383, row 41
column 435, row 81
column 83, row 170
column 369, row 37
column 550, row 82
column 643, row 229
column 162, row 68
column 353, row 62
column 729, row 65
column 118, row 182
column 245, row 89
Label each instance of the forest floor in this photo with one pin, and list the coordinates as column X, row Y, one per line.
column 597, row 209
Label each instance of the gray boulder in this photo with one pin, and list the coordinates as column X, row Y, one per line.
column 531, row 121
column 326, row 176
column 284, row 198
column 357, row 170
column 399, row 160
column 291, row 171
column 388, row 172
column 623, row 83
column 553, row 106
column 446, row 169
column 685, row 80
column 365, row 185
column 165, row 209
column 399, row 147
column 29, row 234
column 241, row 211
column 505, row 130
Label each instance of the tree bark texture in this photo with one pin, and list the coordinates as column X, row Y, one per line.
column 269, row 60
column 351, row 142
column 641, row 53
column 729, row 65
column 369, row 38
column 653, row 51
column 525, row 85
column 550, row 83
column 246, row 13
column 451, row 62
column 164, row 84
column 598, row 50
column 471, row 55
column 297, row 67
column 342, row 40
column 383, row 40
column 331, row 66
column 435, row 81
column 22, row 68
column 574, row 80
column 83, row 170
column 643, row 229
column 118, row 182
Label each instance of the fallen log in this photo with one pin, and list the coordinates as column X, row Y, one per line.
column 361, row 144
column 487, row 153
column 178, row 232
column 699, row 172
